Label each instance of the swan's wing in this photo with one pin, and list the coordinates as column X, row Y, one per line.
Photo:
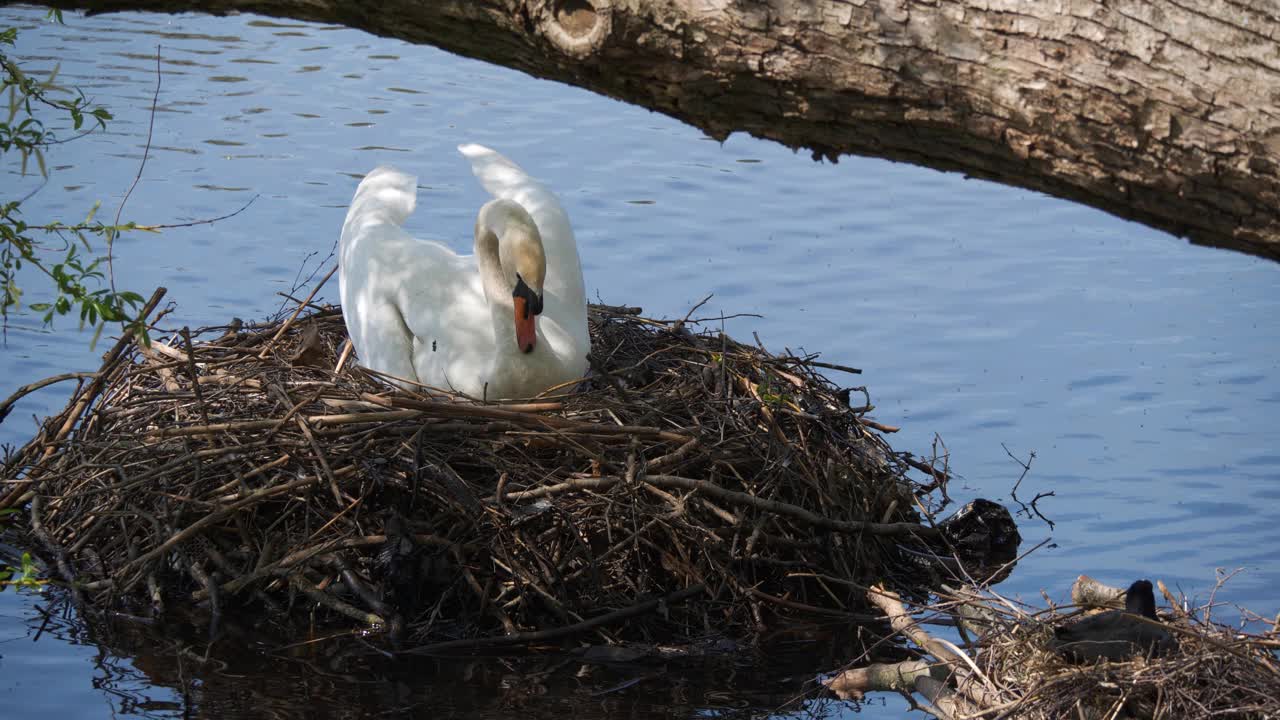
column 504, row 179
column 382, row 202
column 412, row 307
column 384, row 195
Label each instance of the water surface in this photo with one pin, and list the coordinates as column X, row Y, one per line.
column 1140, row 370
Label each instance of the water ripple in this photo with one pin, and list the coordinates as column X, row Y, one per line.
column 1141, row 370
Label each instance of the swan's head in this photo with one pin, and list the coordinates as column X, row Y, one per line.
column 527, row 299
column 523, row 265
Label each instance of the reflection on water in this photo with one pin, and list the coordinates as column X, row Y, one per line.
column 150, row 670
column 1141, row 371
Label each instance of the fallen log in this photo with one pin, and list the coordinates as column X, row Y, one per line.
column 1166, row 113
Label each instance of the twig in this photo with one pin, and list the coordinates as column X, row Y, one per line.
column 213, row 518
column 902, row 622
column 146, row 153
column 1027, row 510
column 196, row 223
column 87, row 396
column 29, row 388
column 693, row 310
column 195, row 376
column 577, row 628
column 739, row 498
column 878, row 426
column 333, row 603
column 301, row 306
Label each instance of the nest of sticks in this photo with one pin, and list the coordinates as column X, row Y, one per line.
column 1009, row 666
column 693, row 484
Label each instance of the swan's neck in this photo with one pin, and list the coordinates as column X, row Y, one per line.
column 494, row 221
column 555, row 357
column 561, row 343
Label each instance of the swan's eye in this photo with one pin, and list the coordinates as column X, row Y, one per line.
column 532, row 300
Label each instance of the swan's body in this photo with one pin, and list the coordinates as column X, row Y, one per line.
column 418, row 311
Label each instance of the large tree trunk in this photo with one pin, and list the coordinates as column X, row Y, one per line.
column 1164, row 111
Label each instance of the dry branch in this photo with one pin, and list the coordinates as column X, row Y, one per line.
column 82, row 400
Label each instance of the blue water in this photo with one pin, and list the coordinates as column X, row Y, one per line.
column 1140, row 370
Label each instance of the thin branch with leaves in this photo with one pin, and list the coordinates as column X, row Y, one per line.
column 63, row 253
column 60, row 252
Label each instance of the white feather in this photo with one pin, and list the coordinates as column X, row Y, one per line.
column 416, row 310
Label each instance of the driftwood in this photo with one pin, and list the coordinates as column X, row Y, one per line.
column 1008, row 669
column 693, row 485
column 1164, row 112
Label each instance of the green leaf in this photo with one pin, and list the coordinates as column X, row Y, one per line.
column 97, row 333
column 78, row 276
column 13, row 104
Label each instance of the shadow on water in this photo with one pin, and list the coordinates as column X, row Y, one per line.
column 247, row 674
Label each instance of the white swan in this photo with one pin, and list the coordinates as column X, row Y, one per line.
column 507, row 322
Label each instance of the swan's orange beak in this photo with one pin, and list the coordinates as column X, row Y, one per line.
column 526, row 328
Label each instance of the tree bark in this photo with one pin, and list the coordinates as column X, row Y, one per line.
column 1162, row 111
